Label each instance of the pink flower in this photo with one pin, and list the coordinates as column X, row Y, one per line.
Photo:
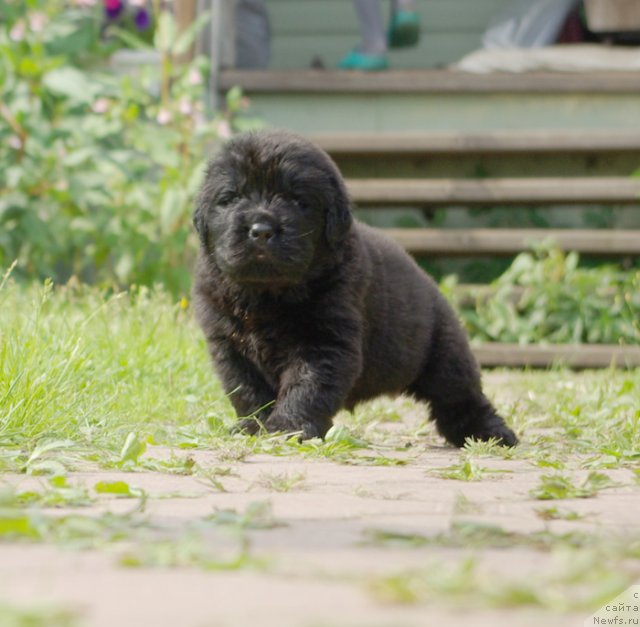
column 15, row 142
column 185, row 106
column 224, row 129
column 17, row 31
column 113, row 8
column 37, row 21
column 163, row 117
column 101, row 105
column 195, row 77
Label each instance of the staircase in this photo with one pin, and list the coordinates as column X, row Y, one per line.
column 439, row 141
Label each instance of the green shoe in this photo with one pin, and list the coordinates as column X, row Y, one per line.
column 404, row 29
column 355, row 60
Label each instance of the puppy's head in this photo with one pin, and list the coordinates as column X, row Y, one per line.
column 271, row 205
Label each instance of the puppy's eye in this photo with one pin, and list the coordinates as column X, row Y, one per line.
column 224, row 199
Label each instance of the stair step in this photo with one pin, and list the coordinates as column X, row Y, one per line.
column 540, row 356
column 615, row 190
column 427, row 242
column 428, row 81
column 496, row 142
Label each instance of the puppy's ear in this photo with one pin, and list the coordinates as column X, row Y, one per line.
column 338, row 217
column 200, row 219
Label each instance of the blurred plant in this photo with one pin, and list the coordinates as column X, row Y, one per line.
column 98, row 170
column 135, row 16
column 545, row 296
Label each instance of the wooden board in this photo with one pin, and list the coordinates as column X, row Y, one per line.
column 429, row 81
column 530, row 191
column 425, row 242
column 575, row 356
column 496, row 142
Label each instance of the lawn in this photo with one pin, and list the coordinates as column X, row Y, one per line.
column 124, row 500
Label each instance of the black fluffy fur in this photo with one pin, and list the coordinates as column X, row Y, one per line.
column 327, row 312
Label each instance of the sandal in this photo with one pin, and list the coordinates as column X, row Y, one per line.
column 356, row 60
column 404, row 29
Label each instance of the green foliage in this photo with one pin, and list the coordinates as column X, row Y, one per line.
column 98, row 170
column 558, row 486
column 12, row 616
column 79, row 367
column 281, row 482
column 258, row 515
column 547, row 297
column 189, row 551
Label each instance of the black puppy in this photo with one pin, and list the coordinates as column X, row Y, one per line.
column 306, row 311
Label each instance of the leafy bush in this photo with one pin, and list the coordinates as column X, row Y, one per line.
column 98, row 170
column 546, row 297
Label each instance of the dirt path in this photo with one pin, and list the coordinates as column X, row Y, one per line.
column 337, row 546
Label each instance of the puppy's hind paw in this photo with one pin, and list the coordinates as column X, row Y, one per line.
column 484, row 425
column 494, row 427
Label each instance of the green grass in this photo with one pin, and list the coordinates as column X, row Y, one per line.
column 84, row 370
column 87, row 375
column 81, row 366
column 91, row 379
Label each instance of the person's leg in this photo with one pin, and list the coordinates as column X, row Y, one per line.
column 371, row 27
column 371, row 52
column 403, row 5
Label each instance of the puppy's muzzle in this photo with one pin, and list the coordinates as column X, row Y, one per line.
column 261, row 233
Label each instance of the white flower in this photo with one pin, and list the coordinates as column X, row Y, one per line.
column 137, row 3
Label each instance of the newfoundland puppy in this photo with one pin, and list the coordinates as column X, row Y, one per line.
column 306, row 311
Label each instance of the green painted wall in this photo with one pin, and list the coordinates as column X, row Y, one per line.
column 304, row 29
column 312, row 112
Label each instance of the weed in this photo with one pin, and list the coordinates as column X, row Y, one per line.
column 553, row 513
column 57, row 492
column 14, row 616
column 189, row 551
column 582, row 581
column 465, row 470
column 281, row 482
column 559, row 486
column 258, row 515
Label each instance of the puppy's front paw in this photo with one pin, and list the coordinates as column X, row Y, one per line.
column 278, row 423
column 248, row 426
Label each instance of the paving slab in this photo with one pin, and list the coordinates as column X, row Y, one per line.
column 318, row 557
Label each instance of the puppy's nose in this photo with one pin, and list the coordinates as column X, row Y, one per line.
column 260, row 232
